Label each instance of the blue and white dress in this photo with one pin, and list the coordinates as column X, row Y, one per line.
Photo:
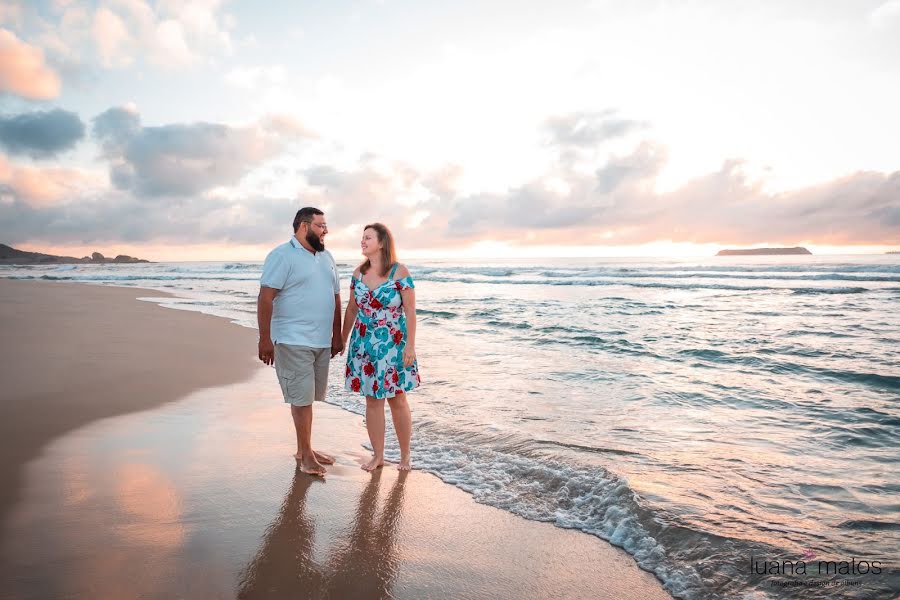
column 375, row 357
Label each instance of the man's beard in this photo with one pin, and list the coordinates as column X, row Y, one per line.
column 315, row 241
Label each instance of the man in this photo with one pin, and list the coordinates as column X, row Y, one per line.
column 299, row 315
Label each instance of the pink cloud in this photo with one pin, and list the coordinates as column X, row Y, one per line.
column 167, row 34
column 112, row 38
column 23, row 71
column 43, row 188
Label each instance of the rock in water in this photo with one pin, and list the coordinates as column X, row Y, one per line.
column 764, row 251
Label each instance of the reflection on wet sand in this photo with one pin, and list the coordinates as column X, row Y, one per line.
column 363, row 564
column 199, row 499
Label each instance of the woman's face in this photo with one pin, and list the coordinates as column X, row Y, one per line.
column 369, row 243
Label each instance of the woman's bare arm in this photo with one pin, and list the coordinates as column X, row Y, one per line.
column 409, row 308
column 350, row 314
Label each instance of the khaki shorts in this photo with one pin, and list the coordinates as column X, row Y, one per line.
column 302, row 372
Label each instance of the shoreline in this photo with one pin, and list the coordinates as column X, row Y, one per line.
column 120, row 489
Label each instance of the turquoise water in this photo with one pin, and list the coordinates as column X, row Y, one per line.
column 696, row 413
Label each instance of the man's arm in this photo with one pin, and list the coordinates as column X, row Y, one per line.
column 337, row 340
column 264, row 306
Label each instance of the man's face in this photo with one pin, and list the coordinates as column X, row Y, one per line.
column 316, row 231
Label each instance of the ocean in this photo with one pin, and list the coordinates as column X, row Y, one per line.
column 715, row 418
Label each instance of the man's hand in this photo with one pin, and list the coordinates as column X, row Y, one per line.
column 264, row 306
column 267, row 351
column 337, row 346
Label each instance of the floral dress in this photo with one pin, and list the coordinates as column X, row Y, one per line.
column 375, row 357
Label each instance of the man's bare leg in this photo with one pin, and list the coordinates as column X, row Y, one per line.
column 302, row 416
column 375, row 427
column 325, row 459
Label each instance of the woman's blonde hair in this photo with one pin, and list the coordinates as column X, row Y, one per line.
column 388, row 253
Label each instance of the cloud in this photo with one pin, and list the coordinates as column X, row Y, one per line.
column 615, row 203
column 114, row 42
column 185, row 159
column 372, row 189
column 42, row 188
column 561, row 199
column 23, row 71
column 171, row 34
column 350, row 198
column 41, row 134
column 253, row 78
column 186, row 169
column 11, row 13
column 589, row 129
column 641, row 165
column 886, row 14
column 618, row 205
column 286, row 125
column 95, row 214
column 115, row 127
column 117, row 34
column 721, row 207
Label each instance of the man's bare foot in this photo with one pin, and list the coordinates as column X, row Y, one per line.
column 404, row 464
column 310, row 466
column 373, row 464
column 321, row 457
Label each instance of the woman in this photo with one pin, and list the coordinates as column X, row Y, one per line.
column 381, row 357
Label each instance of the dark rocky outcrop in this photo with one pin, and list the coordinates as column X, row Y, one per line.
column 12, row 256
column 764, row 251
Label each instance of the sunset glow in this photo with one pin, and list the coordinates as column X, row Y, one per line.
column 194, row 131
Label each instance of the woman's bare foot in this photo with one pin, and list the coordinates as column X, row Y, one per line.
column 310, row 466
column 373, row 464
column 404, row 464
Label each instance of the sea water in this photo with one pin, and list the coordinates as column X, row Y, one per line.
column 721, row 419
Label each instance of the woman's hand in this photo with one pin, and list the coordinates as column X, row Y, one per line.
column 409, row 356
column 337, row 346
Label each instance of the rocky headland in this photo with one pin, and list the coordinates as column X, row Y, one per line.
column 764, row 251
column 12, row 256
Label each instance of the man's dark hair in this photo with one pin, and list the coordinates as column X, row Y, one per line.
column 305, row 214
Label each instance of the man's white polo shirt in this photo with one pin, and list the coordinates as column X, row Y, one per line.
column 304, row 306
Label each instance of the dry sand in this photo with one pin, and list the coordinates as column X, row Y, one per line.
column 200, row 498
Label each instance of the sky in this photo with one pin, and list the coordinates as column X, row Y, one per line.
column 194, row 130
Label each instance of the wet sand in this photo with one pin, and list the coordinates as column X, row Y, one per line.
column 72, row 354
column 200, row 498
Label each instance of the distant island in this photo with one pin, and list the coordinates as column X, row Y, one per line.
column 764, row 251
column 893, row 252
column 12, row 256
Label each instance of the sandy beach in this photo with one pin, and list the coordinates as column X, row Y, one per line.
column 159, row 465
column 74, row 354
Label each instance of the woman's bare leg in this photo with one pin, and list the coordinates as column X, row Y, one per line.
column 375, row 427
column 403, row 426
